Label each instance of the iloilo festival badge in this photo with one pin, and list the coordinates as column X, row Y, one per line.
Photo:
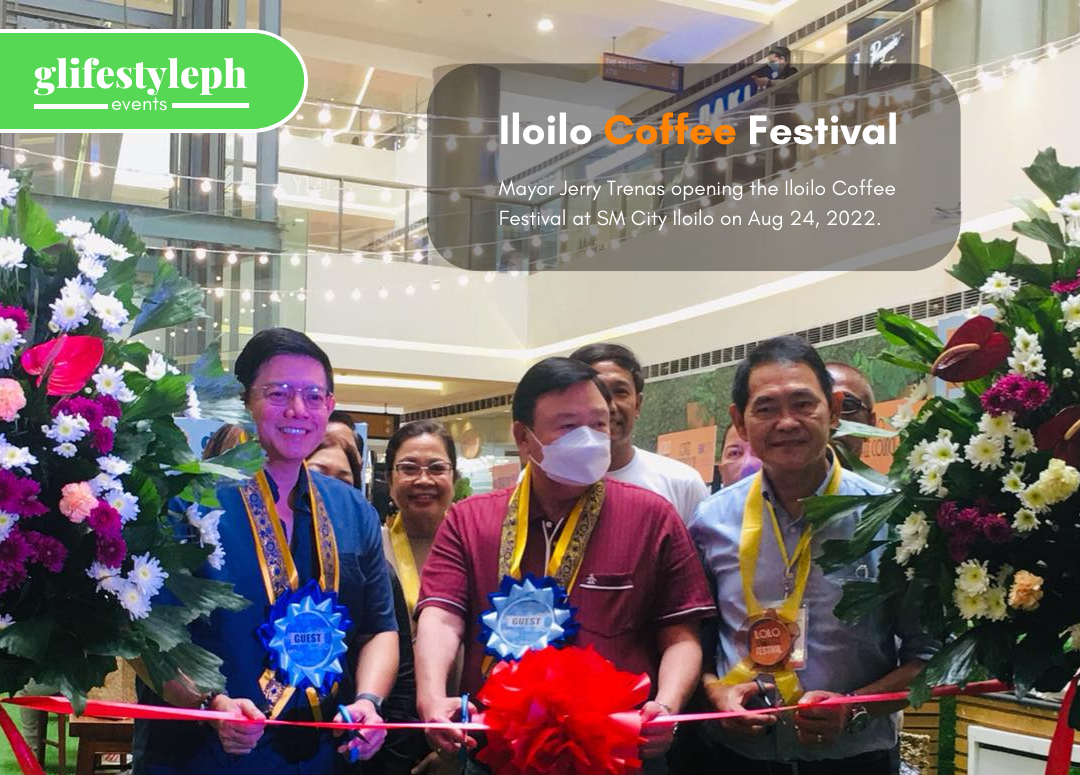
column 773, row 644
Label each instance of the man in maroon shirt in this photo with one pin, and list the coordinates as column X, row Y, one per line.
column 636, row 581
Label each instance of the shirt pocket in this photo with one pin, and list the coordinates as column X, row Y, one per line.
column 607, row 604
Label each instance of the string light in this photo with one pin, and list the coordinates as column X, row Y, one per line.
column 285, row 136
column 95, row 170
column 383, row 293
column 245, row 295
column 355, row 295
column 200, row 254
column 463, row 280
column 451, row 143
column 374, row 120
column 329, row 295
column 358, row 258
column 324, row 114
column 325, row 260
column 476, row 126
column 410, row 289
column 169, row 254
column 301, row 296
column 455, row 195
column 20, row 158
column 386, row 257
column 58, row 164
column 219, row 292
column 264, row 259
column 232, row 259
column 417, row 256
column 369, row 140
column 275, row 297
column 295, row 260
column 489, row 277
column 206, row 186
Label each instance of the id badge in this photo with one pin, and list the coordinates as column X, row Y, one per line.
column 772, row 643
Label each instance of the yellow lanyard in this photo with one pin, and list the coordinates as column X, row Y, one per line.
column 406, row 563
column 750, row 547
column 521, row 536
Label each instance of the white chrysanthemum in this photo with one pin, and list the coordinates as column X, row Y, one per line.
column 919, row 459
column 996, row 426
column 77, row 289
column 905, row 413
column 1074, row 351
column 1022, row 441
column 998, row 288
column 969, row 606
column 73, row 227
column 9, row 188
column 110, row 422
column 11, row 253
column 66, row 449
column 92, row 269
column 126, row 504
column 972, row 577
column 147, row 574
column 7, row 522
column 913, row 534
column 1029, row 365
column 1025, row 521
column 5, row 619
column 66, row 427
column 126, row 395
column 119, row 253
column 110, row 311
column 206, row 524
column 1025, row 342
column 1072, row 232
column 1070, row 312
column 69, row 312
column 996, row 608
column 193, row 412
column 10, row 340
column 985, row 452
column 1069, row 205
column 104, row 483
column 155, row 366
column 109, row 381
column 1067, row 373
column 1012, row 482
column 134, row 601
column 94, row 245
column 108, row 579
column 932, row 482
column 16, row 457
column 1034, row 498
column 114, row 466
column 943, row 452
column 216, row 560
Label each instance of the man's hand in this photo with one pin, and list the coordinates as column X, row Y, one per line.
column 658, row 737
column 728, row 697
column 443, row 709
column 761, row 81
column 367, row 742
column 820, row 726
column 238, row 738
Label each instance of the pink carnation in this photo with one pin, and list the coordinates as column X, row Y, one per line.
column 77, row 501
column 12, row 399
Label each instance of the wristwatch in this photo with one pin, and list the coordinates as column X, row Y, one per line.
column 374, row 699
column 208, row 700
column 858, row 719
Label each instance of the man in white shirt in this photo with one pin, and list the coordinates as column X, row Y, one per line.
column 619, row 369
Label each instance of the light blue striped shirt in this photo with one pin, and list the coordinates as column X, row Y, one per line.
column 839, row 657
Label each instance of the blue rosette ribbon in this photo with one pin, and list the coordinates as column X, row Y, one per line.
column 526, row 615
column 304, row 637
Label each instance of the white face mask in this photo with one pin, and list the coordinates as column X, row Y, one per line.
column 579, row 458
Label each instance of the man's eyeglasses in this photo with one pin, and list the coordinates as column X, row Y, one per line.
column 409, row 470
column 851, row 405
column 282, row 394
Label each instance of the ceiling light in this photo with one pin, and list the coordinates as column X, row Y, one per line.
column 355, row 295
column 383, row 293
column 58, row 164
column 819, row 45
column 169, row 254
column 324, row 115
column 205, row 186
column 364, row 380
column 422, row 123
column 375, row 120
column 20, row 158
column 545, row 25
column 264, row 259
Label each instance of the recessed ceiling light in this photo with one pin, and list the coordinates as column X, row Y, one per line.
column 545, row 25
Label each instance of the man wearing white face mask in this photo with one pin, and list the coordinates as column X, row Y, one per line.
column 627, row 567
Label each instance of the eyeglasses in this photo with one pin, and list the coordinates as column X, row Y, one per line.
column 851, row 405
column 409, row 470
column 282, row 394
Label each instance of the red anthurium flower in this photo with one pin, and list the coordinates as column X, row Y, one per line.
column 66, row 362
column 1060, row 435
column 975, row 350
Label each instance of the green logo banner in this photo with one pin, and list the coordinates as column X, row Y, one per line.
column 149, row 80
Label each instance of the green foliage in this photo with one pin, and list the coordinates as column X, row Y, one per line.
column 171, row 300
column 462, row 488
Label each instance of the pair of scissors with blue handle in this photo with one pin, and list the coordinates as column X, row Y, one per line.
column 463, row 753
column 354, row 734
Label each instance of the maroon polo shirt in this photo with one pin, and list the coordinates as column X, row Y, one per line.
column 640, row 573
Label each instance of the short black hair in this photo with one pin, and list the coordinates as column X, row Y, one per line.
column 411, row 430
column 623, row 357
column 551, row 375
column 271, row 342
column 341, row 417
column 779, row 349
column 782, row 51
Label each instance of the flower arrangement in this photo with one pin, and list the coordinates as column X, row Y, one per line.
column 983, row 519
column 90, row 455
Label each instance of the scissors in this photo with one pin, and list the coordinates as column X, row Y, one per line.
column 354, row 734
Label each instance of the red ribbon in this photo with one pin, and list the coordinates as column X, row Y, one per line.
column 126, row 710
column 1060, row 755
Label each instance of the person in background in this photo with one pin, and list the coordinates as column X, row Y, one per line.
column 631, row 571
column 777, row 68
column 779, row 640
column 737, row 459
column 223, row 439
column 330, row 536
column 421, row 463
column 619, row 369
column 341, row 427
column 338, row 460
column 858, row 403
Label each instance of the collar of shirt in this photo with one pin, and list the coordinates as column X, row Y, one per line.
column 781, row 514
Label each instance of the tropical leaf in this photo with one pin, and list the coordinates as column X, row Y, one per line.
column 902, row 330
column 861, row 598
column 1029, row 208
column 171, row 300
column 980, row 259
column 822, row 510
column 1053, row 178
column 953, row 664
column 165, row 397
column 33, row 224
column 202, row 596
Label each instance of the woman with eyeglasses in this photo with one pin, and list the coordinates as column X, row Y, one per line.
column 306, row 550
column 421, row 468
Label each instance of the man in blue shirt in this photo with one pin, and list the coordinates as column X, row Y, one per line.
column 779, row 641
